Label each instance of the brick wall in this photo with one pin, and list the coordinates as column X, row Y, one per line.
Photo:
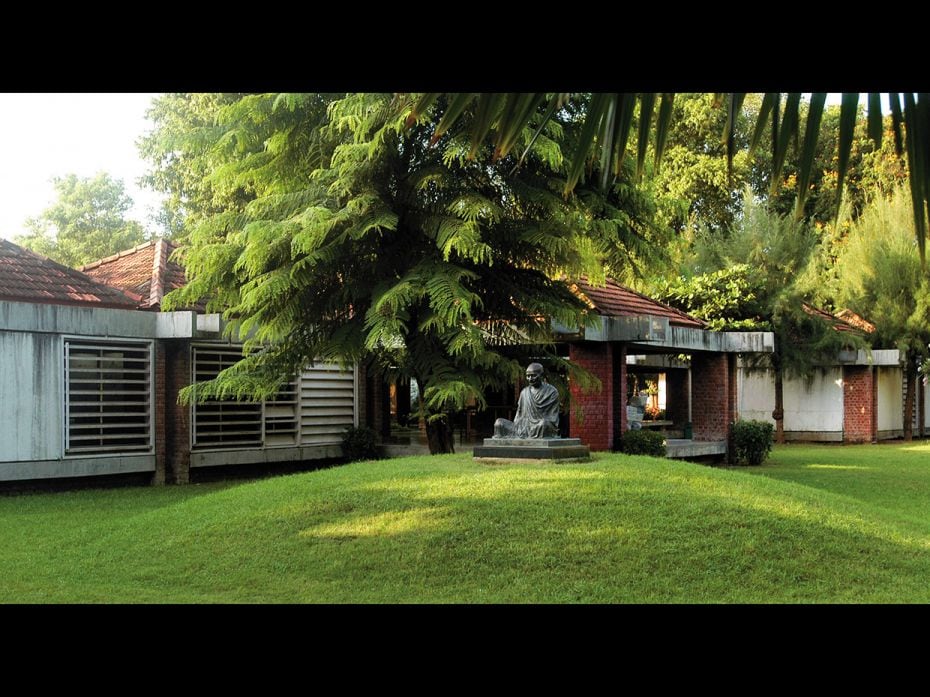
column 712, row 395
column 859, row 404
column 177, row 459
column 596, row 416
column 159, row 379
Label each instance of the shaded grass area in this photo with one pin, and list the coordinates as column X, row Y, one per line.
column 815, row 524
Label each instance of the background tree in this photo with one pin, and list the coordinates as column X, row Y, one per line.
column 881, row 278
column 86, row 222
column 694, row 186
column 360, row 235
column 180, row 149
column 607, row 122
column 751, row 280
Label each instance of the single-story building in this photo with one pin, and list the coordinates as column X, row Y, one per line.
column 695, row 368
column 858, row 398
column 90, row 376
column 91, row 369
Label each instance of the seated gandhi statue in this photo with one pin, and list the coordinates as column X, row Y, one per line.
column 537, row 410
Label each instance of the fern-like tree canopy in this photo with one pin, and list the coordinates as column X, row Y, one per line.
column 349, row 228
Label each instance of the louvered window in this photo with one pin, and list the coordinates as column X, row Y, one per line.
column 108, row 397
column 223, row 422
column 327, row 403
column 281, row 417
column 314, row 409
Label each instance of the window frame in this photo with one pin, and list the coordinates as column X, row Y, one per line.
column 68, row 342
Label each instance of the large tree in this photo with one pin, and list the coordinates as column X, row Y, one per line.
column 694, row 186
column 356, row 234
column 86, row 222
column 881, row 278
column 180, row 149
column 754, row 279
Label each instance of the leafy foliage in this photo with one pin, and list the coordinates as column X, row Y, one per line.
column 752, row 441
column 345, row 229
column 882, row 279
column 360, row 443
column 607, row 122
column 752, row 279
column 730, row 299
column 180, row 151
column 643, row 442
column 86, row 222
column 694, row 186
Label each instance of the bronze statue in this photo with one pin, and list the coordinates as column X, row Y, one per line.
column 537, row 410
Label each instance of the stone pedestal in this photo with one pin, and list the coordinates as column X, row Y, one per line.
column 559, row 449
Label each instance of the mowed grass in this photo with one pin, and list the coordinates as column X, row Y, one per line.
column 814, row 524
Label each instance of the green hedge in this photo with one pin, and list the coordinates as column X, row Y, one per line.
column 360, row 443
column 752, row 441
column 643, row 443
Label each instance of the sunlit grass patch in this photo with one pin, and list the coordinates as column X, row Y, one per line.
column 814, row 524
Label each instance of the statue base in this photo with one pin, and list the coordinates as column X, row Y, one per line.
column 557, row 449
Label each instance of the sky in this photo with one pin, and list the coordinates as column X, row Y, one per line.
column 47, row 135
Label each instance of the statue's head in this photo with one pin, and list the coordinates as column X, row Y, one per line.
column 534, row 374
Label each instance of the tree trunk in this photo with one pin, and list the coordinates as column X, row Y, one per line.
column 779, row 413
column 439, row 436
column 438, row 431
column 910, row 375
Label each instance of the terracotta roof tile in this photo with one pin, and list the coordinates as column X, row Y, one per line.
column 855, row 320
column 145, row 269
column 841, row 324
column 29, row 277
column 614, row 300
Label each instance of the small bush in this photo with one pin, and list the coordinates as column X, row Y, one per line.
column 752, row 441
column 360, row 443
column 643, row 443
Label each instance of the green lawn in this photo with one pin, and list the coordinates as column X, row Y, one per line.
column 814, row 524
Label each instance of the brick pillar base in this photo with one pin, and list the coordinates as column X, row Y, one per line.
column 177, row 416
column 711, row 396
column 597, row 416
column 859, row 397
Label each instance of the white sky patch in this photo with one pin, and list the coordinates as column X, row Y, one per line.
column 48, row 135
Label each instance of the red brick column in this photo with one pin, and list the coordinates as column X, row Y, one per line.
column 177, row 416
column 859, row 404
column 712, row 396
column 598, row 416
column 159, row 434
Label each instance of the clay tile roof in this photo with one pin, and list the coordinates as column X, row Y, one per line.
column 849, row 323
column 855, row 320
column 28, row 277
column 145, row 269
column 614, row 300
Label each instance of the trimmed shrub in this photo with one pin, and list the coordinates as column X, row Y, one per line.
column 643, row 443
column 752, row 441
column 360, row 443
